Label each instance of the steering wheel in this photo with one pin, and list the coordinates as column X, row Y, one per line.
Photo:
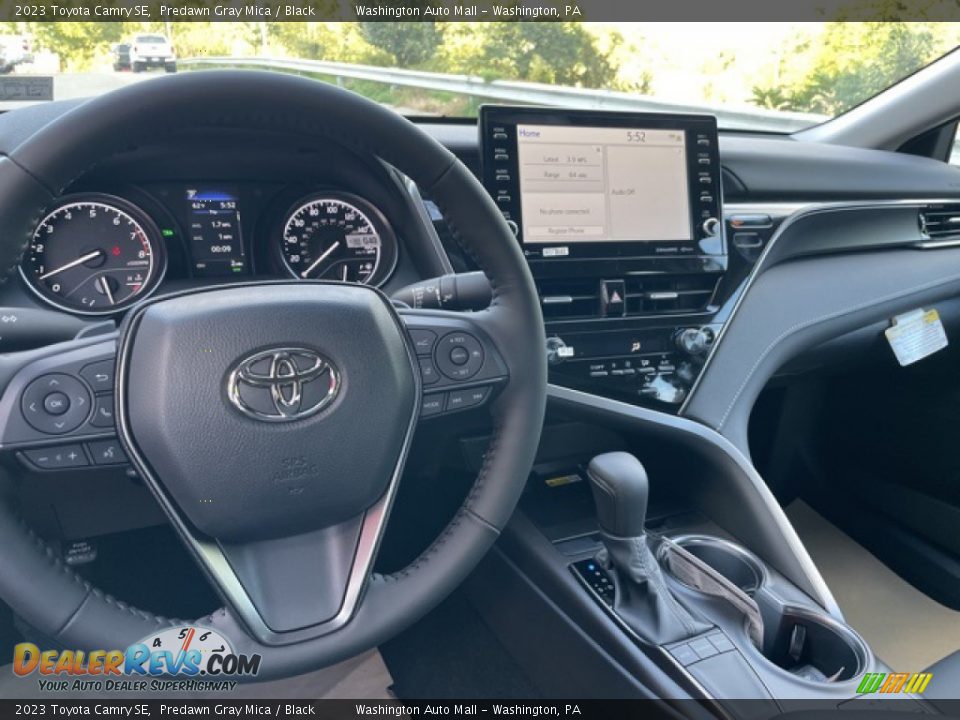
column 272, row 420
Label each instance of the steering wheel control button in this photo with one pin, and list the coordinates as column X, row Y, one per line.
column 107, row 452
column 99, row 375
column 428, row 372
column 423, row 340
column 61, row 457
column 462, row 399
column 55, row 404
column 103, row 413
column 432, row 405
column 459, row 355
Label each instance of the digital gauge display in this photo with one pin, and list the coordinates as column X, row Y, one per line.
column 215, row 238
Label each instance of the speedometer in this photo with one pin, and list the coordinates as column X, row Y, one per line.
column 337, row 237
column 93, row 254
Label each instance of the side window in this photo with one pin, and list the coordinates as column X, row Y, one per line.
column 955, row 150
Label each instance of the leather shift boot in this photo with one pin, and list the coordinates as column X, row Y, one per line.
column 643, row 600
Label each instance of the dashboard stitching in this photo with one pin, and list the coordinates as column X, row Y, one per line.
column 830, row 316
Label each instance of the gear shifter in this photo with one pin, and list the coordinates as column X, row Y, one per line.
column 643, row 600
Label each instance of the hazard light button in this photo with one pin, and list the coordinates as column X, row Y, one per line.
column 613, row 298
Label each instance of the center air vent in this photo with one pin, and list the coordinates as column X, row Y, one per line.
column 940, row 222
column 579, row 299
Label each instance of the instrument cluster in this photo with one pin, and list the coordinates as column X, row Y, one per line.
column 96, row 253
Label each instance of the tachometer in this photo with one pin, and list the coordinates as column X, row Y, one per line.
column 337, row 237
column 94, row 255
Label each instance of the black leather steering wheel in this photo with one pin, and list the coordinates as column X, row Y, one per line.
column 285, row 517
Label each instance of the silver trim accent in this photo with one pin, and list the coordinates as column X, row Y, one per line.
column 208, row 552
column 413, row 190
column 823, row 596
column 283, row 373
column 791, row 213
column 688, row 540
column 937, row 244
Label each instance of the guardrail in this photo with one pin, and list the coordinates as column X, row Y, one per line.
column 515, row 91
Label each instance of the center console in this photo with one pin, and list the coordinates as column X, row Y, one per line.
column 620, row 218
column 665, row 581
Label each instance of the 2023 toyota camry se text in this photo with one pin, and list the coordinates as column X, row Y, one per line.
column 302, row 397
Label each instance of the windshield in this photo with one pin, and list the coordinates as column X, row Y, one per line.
column 777, row 77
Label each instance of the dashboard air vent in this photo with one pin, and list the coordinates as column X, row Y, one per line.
column 940, row 222
column 656, row 295
column 569, row 298
column 579, row 298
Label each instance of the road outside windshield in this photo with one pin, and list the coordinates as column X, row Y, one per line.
column 777, row 77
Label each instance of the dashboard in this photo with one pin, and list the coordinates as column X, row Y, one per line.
column 714, row 277
column 642, row 230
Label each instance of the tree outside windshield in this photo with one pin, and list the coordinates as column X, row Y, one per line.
column 771, row 76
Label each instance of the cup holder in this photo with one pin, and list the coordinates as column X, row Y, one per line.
column 808, row 644
column 735, row 563
column 814, row 647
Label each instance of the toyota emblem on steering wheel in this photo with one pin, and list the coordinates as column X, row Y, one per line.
column 283, row 384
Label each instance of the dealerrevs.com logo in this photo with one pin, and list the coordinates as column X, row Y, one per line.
column 178, row 658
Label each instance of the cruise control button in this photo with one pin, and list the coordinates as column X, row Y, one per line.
column 459, row 355
column 107, row 452
column 432, row 405
column 103, row 414
column 99, row 375
column 57, row 458
column 460, row 399
column 423, row 340
column 56, row 403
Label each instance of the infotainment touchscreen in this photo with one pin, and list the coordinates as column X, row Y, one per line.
column 579, row 183
column 588, row 184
